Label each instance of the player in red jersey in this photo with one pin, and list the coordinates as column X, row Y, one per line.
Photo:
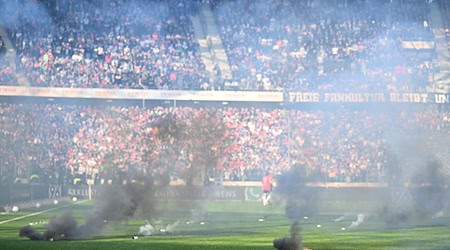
column 267, row 184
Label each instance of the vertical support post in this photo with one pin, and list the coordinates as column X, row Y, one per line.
column 90, row 182
column 90, row 191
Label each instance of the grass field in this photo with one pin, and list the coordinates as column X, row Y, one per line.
column 229, row 225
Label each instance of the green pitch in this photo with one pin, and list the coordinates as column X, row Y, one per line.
column 229, row 225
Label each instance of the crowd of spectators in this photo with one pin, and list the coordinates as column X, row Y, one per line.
column 7, row 74
column 2, row 47
column 445, row 11
column 106, row 44
column 308, row 45
column 351, row 45
column 346, row 146
column 35, row 139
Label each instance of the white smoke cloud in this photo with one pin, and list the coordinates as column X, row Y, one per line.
column 343, row 217
column 146, row 230
column 170, row 228
column 360, row 219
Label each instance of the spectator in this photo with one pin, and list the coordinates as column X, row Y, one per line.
column 93, row 142
column 103, row 44
column 313, row 45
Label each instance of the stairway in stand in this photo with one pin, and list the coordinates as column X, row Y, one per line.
column 11, row 57
column 442, row 75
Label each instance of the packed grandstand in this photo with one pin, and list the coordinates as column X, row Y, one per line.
column 386, row 47
column 339, row 145
column 271, row 45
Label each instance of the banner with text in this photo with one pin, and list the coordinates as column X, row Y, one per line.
column 142, row 94
column 176, row 193
column 316, row 97
column 418, row 45
column 232, row 96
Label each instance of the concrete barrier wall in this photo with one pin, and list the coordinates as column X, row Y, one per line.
column 327, row 194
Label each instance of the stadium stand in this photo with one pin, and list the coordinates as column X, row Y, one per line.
column 344, row 146
column 349, row 45
column 445, row 10
column 2, row 47
column 305, row 46
column 107, row 44
column 318, row 45
column 7, row 74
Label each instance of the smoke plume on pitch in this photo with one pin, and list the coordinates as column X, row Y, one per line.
column 418, row 183
column 301, row 201
column 117, row 203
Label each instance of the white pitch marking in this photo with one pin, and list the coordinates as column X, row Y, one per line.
column 41, row 212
